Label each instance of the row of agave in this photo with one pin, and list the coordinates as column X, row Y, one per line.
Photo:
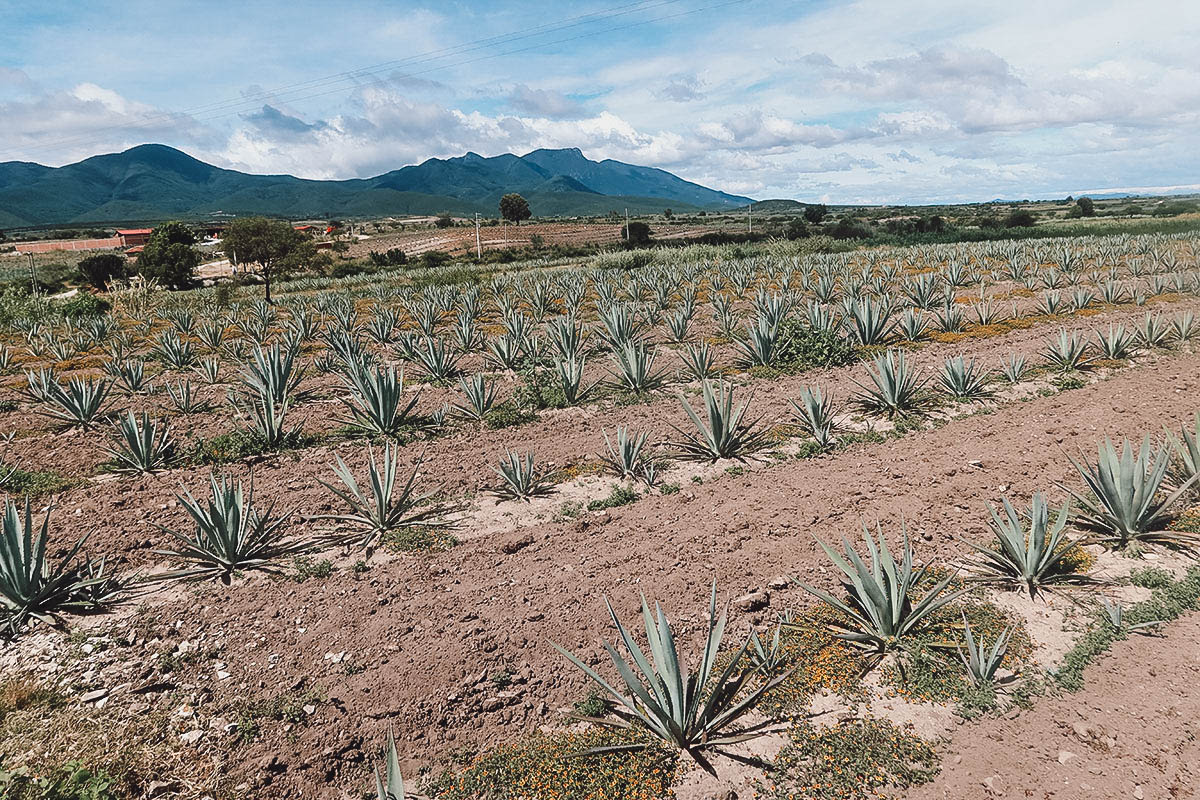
column 887, row 602
column 269, row 385
column 870, row 286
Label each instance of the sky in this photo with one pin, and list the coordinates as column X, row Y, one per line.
column 875, row 101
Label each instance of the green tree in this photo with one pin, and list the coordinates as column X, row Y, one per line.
column 668, row 213
column 636, row 234
column 1086, row 207
column 815, row 213
column 170, row 256
column 100, row 269
column 273, row 244
column 1020, row 219
column 514, row 208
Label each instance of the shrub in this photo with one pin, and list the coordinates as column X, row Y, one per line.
column 801, row 346
column 84, row 304
column 97, row 270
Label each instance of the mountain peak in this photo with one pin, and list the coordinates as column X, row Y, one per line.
column 154, row 181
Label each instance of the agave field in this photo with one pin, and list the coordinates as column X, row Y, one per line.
column 883, row 513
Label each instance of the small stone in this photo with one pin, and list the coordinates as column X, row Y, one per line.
column 310, row 709
column 191, row 737
column 1138, row 794
column 779, row 582
column 93, row 696
column 1064, row 756
column 754, row 601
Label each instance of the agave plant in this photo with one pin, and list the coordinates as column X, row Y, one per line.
column 1114, row 615
column 80, row 403
column 964, row 380
column 1186, row 467
column 980, row 662
column 726, row 433
column 1067, row 352
column 390, row 785
column 131, row 374
column 569, row 372
column 698, row 361
column 1124, row 506
column 1154, row 332
column 142, row 444
column 32, row 587
column 521, row 479
column 698, row 713
column 273, row 374
column 185, row 398
column 1118, row 344
column 1014, row 369
column 628, row 457
column 898, row 388
column 437, row 357
column 480, row 396
column 173, row 351
column 382, row 506
column 886, row 603
column 1032, row 554
column 230, row 535
column 635, row 367
column 759, row 347
column 376, row 400
column 818, row 413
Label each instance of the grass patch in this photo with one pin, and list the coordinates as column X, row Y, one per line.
column 621, row 496
column 549, row 767
column 35, row 483
column 1069, row 381
column 419, row 539
column 251, row 715
column 68, row 781
column 239, row 444
column 854, row 760
column 818, row 660
column 1167, row 602
column 308, row 567
column 507, row 415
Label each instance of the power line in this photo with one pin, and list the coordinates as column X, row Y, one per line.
column 231, row 107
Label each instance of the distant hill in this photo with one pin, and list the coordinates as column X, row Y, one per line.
column 153, row 181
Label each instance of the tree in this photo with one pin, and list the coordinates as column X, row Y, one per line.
column 796, row 229
column 1020, row 219
column 273, row 244
column 170, row 256
column 443, row 221
column 1086, row 207
column 636, row 234
column 668, row 213
column 514, row 208
column 100, row 269
column 815, row 213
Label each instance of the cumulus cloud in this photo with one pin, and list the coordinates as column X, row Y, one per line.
column 682, row 89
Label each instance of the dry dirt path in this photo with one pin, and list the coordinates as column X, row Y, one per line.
column 1132, row 732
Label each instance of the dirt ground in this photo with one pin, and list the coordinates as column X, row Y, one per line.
column 414, row 642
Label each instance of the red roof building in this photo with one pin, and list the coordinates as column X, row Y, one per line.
column 134, row 236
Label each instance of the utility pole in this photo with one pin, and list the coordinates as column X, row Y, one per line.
column 750, row 215
column 627, row 223
column 32, row 275
column 478, row 244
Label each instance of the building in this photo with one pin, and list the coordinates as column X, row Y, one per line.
column 134, row 237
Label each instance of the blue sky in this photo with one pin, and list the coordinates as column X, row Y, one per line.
column 870, row 101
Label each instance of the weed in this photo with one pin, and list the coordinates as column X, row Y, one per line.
column 548, row 766
column 853, row 760
column 507, row 415
column 308, row 567
column 419, row 538
column 621, row 496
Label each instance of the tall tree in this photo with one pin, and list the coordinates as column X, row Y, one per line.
column 273, row 244
column 514, row 208
column 170, row 256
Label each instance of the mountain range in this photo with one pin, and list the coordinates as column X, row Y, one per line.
column 153, row 182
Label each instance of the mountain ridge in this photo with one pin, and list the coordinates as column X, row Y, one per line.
column 155, row 181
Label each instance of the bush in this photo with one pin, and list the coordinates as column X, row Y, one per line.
column 1020, row 219
column 804, row 347
column 170, row 256
column 84, row 304
column 847, row 228
column 100, row 269
column 431, row 259
column 443, row 221
column 636, row 234
column 394, row 257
